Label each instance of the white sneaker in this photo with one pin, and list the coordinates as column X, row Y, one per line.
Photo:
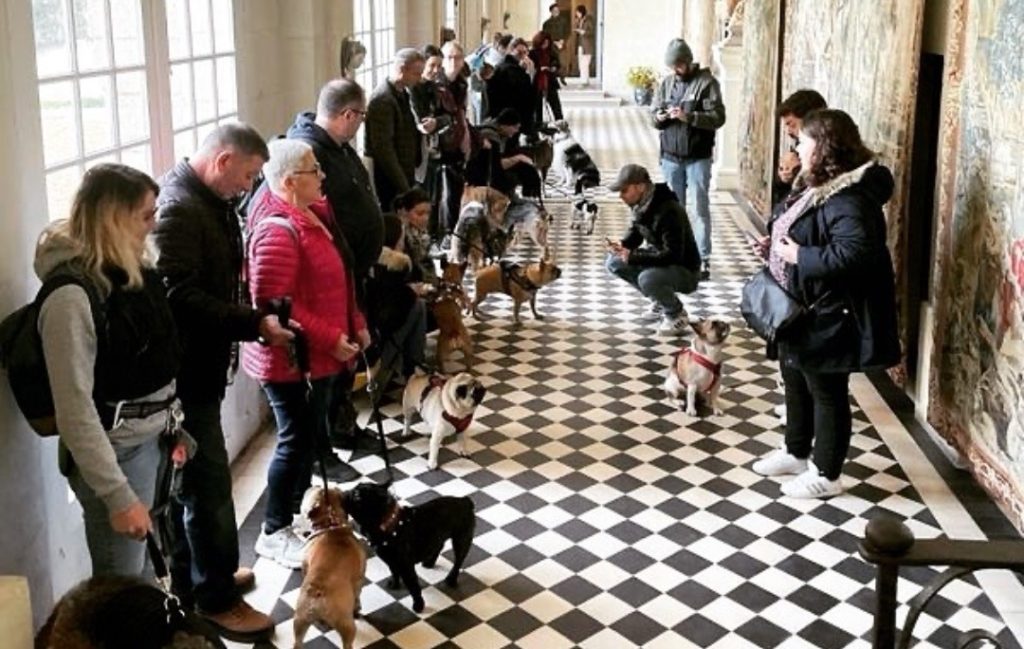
column 811, row 484
column 651, row 313
column 673, row 325
column 283, row 546
column 780, row 412
column 779, row 462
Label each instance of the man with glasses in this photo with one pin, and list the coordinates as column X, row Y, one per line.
column 340, row 111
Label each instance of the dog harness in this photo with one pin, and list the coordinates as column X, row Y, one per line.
column 458, row 423
column 703, row 361
column 513, row 272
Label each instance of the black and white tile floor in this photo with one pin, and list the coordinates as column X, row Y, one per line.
column 608, row 518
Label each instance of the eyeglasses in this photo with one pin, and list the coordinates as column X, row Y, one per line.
column 362, row 113
column 315, row 170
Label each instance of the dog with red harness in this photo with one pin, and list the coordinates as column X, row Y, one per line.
column 446, row 404
column 697, row 370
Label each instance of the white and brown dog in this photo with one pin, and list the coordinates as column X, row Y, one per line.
column 333, row 569
column 446, row 404
column 698, row 369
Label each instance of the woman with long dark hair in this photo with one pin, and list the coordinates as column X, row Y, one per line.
column 827, row 247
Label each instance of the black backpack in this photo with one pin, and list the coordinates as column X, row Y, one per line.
column 21, row 350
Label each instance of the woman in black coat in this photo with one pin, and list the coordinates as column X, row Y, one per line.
column 827, row 247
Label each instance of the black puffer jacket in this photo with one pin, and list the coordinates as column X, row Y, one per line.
column 666, row 229
column 200, row 241
column 844, row 268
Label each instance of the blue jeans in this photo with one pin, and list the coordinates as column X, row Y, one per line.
column 113, row 553
column 658, row 283
column 205, row 554
column 300, row 426
column 695, row 174
column 409, row 341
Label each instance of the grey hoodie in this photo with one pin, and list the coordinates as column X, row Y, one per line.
column 69, row 346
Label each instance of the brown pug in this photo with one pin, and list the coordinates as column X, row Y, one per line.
column 699, row 369
column 519, row 282
column 333, row 569
column 447, row 302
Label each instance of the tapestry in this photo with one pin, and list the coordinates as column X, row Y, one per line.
column 757, row 126
column 976, row 392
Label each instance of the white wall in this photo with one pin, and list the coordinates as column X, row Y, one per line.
column 637, row 33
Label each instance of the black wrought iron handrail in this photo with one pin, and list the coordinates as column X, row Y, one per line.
column 890, row 545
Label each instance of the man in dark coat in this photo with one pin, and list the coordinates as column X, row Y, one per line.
column 201, row 256
column 510, row 87
column 669, row 262
column 392, row 131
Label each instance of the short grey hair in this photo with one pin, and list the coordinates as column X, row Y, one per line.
column 238, row 136
column 286, row 157
column 407, row 56
column 452, row 46
column 338, row 95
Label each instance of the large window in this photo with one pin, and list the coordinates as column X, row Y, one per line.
column 375, row 29
column 451, row 14
column 98, row 99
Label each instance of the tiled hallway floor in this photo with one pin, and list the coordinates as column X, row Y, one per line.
column 606, row 518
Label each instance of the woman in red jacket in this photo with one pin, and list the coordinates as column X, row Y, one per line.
column 292, row 254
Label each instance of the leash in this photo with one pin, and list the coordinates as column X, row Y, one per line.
column 371, row 390
column 172, row 605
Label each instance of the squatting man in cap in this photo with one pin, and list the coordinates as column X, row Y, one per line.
column 658, row 255
column 687, row 109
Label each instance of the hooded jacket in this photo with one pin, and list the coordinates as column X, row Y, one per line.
column 139, row 364
column 845, row 270
column 348, row 189
column 666, row 229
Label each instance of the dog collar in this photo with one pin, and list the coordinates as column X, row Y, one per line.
column 458, row 423
column 390, row 526
column 703, row 361
column 334, row 525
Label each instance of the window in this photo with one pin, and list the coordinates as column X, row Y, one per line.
column 451, row 13
column 93, row 62
column 375, row 29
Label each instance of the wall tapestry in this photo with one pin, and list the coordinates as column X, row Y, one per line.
column 757, row 126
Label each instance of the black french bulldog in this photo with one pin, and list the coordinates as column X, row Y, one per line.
column 405, row 536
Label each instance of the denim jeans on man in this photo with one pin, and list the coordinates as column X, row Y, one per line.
column 113, row 553
column 205, row 554
column 301, row 426
column 658, row 283
column 696, row 175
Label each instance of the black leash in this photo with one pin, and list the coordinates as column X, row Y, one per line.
column 371, row 390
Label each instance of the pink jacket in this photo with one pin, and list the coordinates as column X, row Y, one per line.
column 306, row 266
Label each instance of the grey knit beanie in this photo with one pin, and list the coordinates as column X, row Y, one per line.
column 678, row 52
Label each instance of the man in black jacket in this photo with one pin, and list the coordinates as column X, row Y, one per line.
column 668, row 263
column 201, row 256
column 510, row 87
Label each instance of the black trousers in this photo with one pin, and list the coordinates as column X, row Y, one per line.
column 818, row 417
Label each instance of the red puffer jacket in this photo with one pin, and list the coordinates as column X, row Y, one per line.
column 303, row 264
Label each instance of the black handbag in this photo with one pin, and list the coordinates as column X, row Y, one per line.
column 767, row 307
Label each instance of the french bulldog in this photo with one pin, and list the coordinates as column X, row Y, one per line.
column 446, row 405
column 519, row 282
column 405, row 536
column 698, row 370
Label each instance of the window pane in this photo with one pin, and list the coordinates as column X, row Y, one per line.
column 53, row 47
column 202, row 39
column 60, row 132
column 97, row 114
column 60, row 190
column 177, row 28
column 91, row 35
column 132, row 107
column 223, row 26
column 184, row 144
column 138, row 157
column 103, row 158
column 206, row 106
column 181, row 95
column 126, row 16
column 227, row 94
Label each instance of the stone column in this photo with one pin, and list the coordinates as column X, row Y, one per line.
column 727, row 55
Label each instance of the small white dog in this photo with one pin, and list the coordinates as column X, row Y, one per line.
column 584, row 213
column 699, row 369
column 446, row 404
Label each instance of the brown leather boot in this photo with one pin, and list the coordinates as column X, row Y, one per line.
column 245, row 580
column 241, row 623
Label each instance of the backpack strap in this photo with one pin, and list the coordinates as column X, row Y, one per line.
column 65, row 274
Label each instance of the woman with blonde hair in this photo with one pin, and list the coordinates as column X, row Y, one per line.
column 112, row 353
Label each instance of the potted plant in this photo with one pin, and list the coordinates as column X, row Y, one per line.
column 641, row 78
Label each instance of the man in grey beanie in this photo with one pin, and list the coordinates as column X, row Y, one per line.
column 688, row 109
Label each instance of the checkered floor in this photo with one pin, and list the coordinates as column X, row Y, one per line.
column 608, row 518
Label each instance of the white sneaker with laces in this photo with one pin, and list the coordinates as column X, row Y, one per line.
column 779, row 462
column 651, row 313
column 673, row 325
column 811, row 484
column 283, row 546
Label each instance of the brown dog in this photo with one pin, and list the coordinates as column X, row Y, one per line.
column 447, row 304
column 494, row 201
column 519, row 282
column 333, row 569
column 699, row 370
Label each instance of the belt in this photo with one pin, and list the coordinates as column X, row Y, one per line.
column 139, row 409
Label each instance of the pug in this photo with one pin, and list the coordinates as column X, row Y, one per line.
column 519, row 282
column 699, row 369
column 446, row 404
